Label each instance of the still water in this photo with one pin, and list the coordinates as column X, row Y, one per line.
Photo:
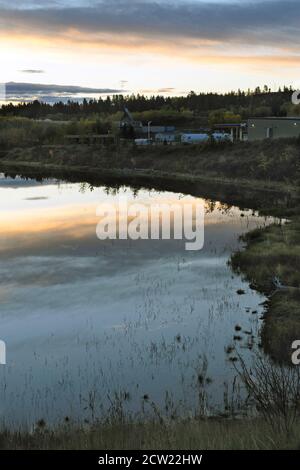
column 94, row 326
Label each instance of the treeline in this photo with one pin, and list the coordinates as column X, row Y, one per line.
column 259, row 102
column 24, row 132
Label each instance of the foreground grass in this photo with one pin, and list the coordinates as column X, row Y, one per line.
column 190, row 434
column 270, row 253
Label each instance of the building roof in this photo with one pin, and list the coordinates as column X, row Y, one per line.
column 276, row 118
column 228, row 125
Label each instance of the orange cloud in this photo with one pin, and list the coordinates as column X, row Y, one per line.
column 75, row 42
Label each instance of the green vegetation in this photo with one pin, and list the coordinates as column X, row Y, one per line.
column 274, row 253
column 258, row 160
column 223, row 116
column 182, row 110
column 267, row 161
column 24, row 132
column 191, row 434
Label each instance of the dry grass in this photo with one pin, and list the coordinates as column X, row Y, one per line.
column 189, row 434
column 275, row 252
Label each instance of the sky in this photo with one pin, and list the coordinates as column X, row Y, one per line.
column 144, row 46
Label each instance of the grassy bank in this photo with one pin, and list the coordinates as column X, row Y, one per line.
column 190, row 434
column 268, row 161
column 273, row 391
column 198, row 184
column 273, row 254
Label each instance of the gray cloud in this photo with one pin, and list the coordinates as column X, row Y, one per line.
column 268, row 21
column 33, row 71
column 158, row 90
column 52, row 93
column 165, row 90
column 32, row 4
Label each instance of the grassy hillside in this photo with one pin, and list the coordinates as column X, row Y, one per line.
column 276, row 161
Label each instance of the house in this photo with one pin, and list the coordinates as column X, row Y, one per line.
column 131, row 128
column 273, row 128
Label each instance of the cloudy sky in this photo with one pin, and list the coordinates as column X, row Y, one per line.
column 169, row 46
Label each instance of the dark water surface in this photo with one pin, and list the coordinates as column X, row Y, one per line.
column 90, row 325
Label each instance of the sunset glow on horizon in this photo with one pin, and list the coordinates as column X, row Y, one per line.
column 162, row 47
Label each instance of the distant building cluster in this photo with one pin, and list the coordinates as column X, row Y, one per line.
column 257, row 128
column 253, row 129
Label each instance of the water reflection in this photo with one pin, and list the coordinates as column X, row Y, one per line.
column 87, row 321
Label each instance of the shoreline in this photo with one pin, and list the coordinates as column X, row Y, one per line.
column 276, row 199
column 153, row 175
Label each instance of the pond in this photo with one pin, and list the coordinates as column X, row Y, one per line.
column 94, row 327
